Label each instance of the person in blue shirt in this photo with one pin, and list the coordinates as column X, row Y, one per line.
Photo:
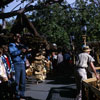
column 18, row 54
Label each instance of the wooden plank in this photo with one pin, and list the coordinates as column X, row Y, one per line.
column 85, row 84
column 95, row 90
column 97, row 68
column 91, row 89
column 90, row 80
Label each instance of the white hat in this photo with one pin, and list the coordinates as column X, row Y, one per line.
column 86, row 49
column 54, row 44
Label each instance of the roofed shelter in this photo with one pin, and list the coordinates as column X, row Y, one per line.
column 23, row 22
column 95, row 45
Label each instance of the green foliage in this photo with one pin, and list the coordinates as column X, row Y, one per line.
column 87, row 14
column 50, row 23
column 57, row 22
column 9, row 24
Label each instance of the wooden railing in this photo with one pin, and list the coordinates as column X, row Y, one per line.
column 91, row 88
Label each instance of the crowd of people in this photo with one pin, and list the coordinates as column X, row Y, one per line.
column 13, row 58
column 12, row 69
column 59, row 61
column 13, row 61
column 83, row 68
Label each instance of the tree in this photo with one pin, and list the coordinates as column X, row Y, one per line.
column 25, row 9
column 50, row 23
column 85, row 14
column 57, row 20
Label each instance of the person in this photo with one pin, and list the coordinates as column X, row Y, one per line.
column 10, row 71
column 9, row 62
column 84, row 60
column 67, row 61
column 4, row 73
column 18, row 53
column 54, row 62
column 48, row 65
column 60, row 59
column 3, row 68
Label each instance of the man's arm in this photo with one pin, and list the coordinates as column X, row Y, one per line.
column 94, row 70
column 13, row 50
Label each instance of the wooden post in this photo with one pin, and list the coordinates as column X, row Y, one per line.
column 73, row 49
column 84, row 39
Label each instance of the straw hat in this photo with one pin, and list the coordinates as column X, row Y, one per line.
column 86, row 49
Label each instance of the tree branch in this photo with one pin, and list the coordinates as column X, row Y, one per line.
column 16, row 12
column 26, row 9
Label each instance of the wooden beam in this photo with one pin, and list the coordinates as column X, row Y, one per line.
column 97, row 68
column 90, row 80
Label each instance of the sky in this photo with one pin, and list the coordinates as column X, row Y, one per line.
column 13, row 4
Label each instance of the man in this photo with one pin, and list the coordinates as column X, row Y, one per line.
column 18, row 54
column 60, row 61
column 83, row 61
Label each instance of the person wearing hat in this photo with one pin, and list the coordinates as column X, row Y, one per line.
column 84, row 60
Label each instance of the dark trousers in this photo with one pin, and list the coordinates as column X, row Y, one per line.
column 7, row 90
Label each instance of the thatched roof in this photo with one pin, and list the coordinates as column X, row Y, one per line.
column 95, row 44
column 23, row 22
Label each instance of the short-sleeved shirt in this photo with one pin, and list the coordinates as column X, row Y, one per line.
column 84, row 59
column 59, row 58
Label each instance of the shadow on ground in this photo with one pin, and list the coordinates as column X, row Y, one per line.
column 62, row 79
column 30, row 98
column 61, row 93
column 67, row 92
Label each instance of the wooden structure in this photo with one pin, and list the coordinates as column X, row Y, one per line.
column 91, row 88
column 95, row 46
column 84, row 39
column 22, row 22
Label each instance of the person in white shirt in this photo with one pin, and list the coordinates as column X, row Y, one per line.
column 84, row 60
